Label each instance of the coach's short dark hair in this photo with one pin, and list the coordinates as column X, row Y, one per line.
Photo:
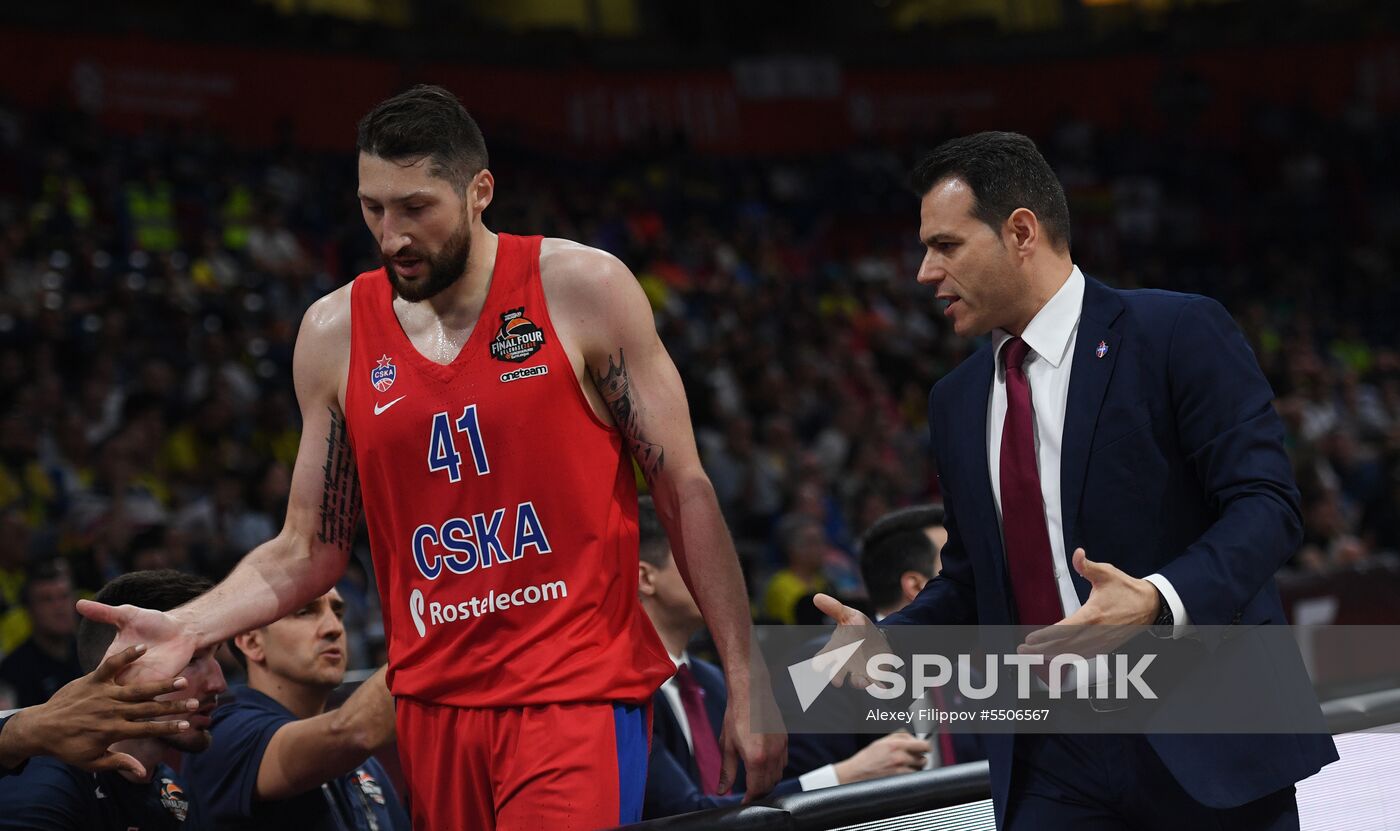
column 896, row 543
column 426, row 121
column 655, row 545
column 162, row 590
column 1004, row 171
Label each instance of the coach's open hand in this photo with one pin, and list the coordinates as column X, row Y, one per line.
column 851, row 626
column 764, row 754
column 1118, row 605
column 79, row 724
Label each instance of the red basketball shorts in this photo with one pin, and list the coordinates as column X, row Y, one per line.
column 557, row 767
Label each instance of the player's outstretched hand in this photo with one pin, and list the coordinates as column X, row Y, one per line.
column 85, row 717
column 168, row 648
column 852, row 627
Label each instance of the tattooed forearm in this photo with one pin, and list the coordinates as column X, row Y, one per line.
column 616, row 388
column 340, row 500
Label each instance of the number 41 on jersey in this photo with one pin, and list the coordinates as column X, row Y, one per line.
column 442, row 444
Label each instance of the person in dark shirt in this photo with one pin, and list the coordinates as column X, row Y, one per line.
column 280, row 760
column 55, row 796
column 48, row 659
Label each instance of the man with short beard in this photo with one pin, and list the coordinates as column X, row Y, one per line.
column 56, row 796
column 282, row 761
column 499, row 390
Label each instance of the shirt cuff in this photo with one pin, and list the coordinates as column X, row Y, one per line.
column 1181, row 623
column 822, row 777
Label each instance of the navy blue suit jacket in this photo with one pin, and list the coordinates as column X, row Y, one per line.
column 1172, row 462
column 672, row 778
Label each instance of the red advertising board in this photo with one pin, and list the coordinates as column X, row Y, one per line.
column 755, row 107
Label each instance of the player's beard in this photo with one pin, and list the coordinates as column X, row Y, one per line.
column 444, row 267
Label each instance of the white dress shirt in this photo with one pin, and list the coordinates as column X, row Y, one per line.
column 822, row 777
column 1051, row 336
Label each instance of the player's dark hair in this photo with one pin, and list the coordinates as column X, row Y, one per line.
column 894, row 544
column 655, row 546
column 162, row 590
column 1004, row 171
column 426, row 121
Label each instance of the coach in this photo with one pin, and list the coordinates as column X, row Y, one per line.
column 1111, row 457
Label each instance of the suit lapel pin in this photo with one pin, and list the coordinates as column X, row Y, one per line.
column 1102, row 350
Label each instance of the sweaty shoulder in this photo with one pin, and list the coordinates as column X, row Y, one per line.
column 328, row 319
column 578, row 272
column 592, row 295
column 322, row 356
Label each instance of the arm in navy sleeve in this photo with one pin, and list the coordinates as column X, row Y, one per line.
column 1234, row 441
column 225, row 776
column 950, row 598
column 48, row 795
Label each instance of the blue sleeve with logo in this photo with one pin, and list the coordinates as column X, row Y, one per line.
column 48, row 795
column 224, row 777
column 392, row 811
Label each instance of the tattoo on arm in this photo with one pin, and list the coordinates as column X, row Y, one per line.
column 616, row 388
column 340, row 499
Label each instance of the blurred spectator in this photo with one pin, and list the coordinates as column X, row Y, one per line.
column 48, row 659
column 804, row 549
column 14, row 557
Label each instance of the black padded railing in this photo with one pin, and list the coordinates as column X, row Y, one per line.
column 931, row 790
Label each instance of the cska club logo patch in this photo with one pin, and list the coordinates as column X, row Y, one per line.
column 383, row 374
column 518, row 338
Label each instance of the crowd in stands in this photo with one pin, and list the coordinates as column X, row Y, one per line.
column 153, row 285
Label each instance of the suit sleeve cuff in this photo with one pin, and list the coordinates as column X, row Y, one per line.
column 1181, row 622
column 822, row 777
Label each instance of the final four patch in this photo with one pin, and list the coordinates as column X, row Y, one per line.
column 368, row 786
column 518, row 338
column 172, row 798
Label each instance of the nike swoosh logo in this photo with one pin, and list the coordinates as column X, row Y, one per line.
column 379, row 408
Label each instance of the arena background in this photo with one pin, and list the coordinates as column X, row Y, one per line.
column 177, row 185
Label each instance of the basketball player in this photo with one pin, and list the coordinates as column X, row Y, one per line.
column 487, row 394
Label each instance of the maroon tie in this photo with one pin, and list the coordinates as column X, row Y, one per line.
column 1028, row 554
column 702, row 734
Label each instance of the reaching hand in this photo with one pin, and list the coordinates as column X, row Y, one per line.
column 168, row 647
column 851, row 626
column 1117, row 607
column 898, row 752
column 83, row 719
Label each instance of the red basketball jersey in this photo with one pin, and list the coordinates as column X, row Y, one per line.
column 502, row 512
